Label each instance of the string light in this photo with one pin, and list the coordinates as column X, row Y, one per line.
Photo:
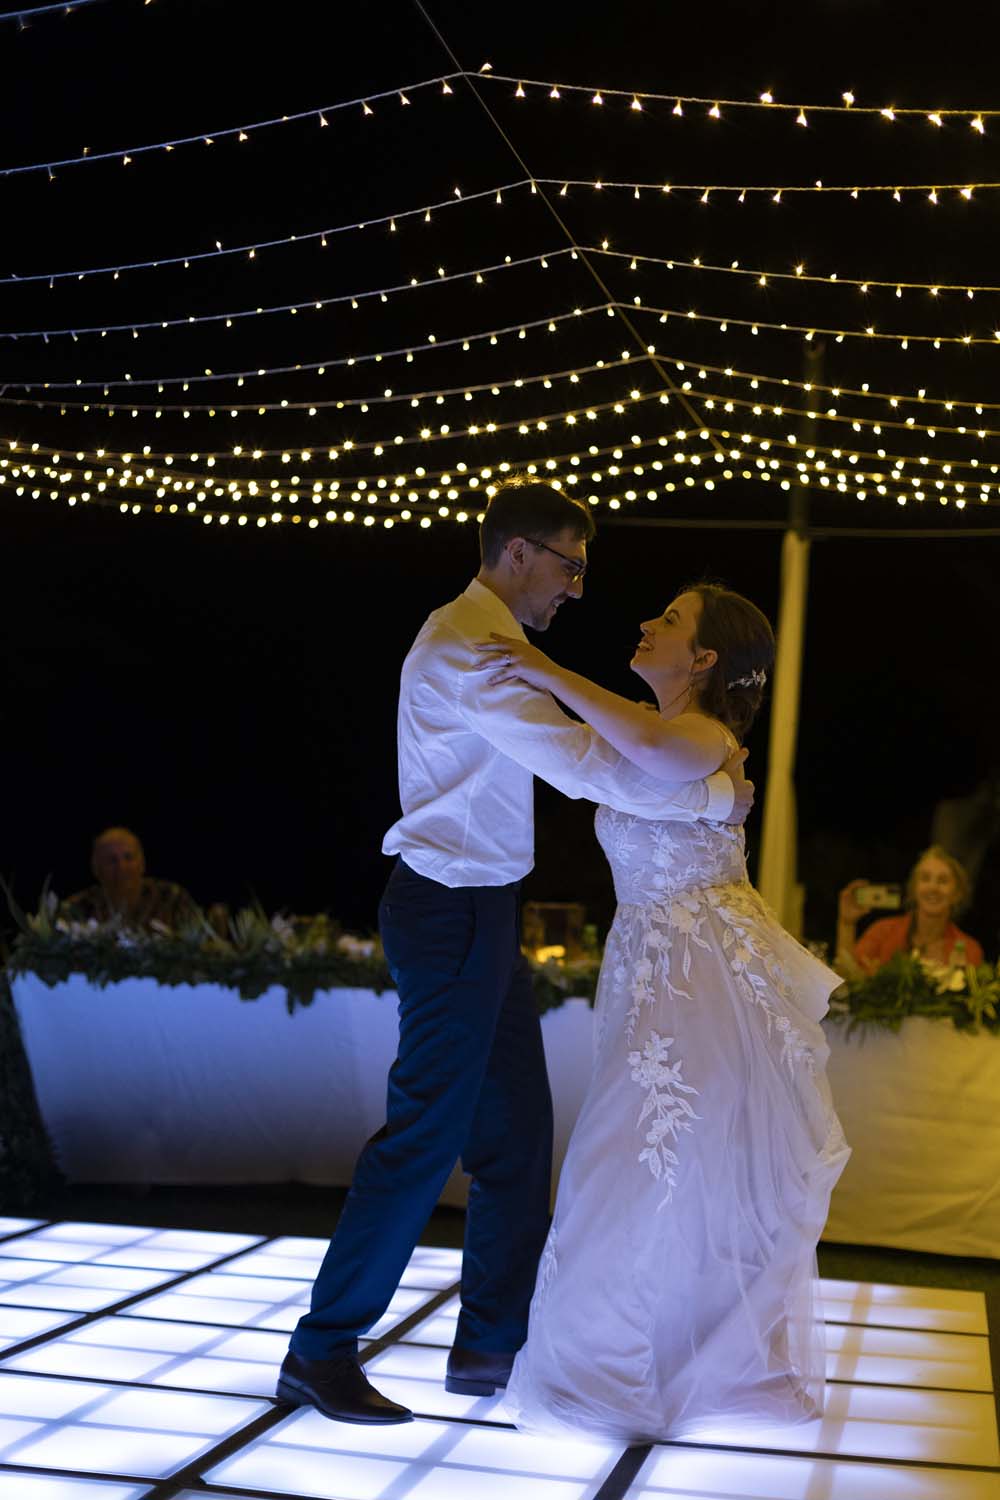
column 129, row 153
column 811, row 332
column 406, row 351
column 962, row 472
column 711, row 399
column 863, row 392
column 538, row 421
column 632, row 475
column 765, row 100
column 703, row 190
column 633, row 97
column 65, row 7
column 969, row 289
column 313, row 405
column 255, row 488
column 251, row 249
column 303, row 304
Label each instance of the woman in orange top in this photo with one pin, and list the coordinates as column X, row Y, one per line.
column 936, row 890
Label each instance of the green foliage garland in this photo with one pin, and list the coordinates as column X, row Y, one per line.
column 254, row 954
column 305, row 955
column 909, row 986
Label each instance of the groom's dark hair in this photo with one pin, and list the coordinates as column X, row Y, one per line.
column 530, row 508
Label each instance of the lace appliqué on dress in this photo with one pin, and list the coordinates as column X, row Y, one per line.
column 671, row 1113
column 743, row 941
column 665, row 934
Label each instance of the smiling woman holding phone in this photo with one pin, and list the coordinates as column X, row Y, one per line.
column 936, row 891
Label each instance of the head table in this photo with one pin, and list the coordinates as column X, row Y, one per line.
column 141, row 1083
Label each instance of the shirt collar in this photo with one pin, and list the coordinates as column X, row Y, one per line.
column 492, row 605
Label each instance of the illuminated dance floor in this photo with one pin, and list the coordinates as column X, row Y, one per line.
column 140, row 1362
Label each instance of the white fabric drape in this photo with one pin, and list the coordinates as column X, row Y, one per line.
column 142, row 1084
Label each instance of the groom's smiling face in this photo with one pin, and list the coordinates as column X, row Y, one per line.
column 551, row 574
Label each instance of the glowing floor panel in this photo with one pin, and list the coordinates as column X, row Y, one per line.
column 674, row 1474
column 903, row 1306
column 139, row 1364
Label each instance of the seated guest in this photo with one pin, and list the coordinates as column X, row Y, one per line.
column 936, row 891
column 125, row 891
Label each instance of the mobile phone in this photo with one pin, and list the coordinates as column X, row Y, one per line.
column 879, row 897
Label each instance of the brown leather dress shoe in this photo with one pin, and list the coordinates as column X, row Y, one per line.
column 471, row 1372
column 337, row 1388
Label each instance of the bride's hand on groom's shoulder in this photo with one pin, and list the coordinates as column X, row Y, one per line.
column 508, row 659
column 742, row 788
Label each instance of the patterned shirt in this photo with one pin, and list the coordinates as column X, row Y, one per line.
column 159, row 901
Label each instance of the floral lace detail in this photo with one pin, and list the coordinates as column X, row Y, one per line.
column 675, row 882
column 651, row 860
column 665, row 1088
column 665, row 934
column 661, row 937
column 748, row 950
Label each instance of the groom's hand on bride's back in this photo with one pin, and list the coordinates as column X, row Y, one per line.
column 742, row 789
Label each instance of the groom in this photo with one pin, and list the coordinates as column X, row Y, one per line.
column 469, row 1080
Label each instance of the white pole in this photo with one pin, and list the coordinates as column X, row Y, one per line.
column 777, row 875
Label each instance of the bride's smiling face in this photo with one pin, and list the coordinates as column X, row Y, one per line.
column 667, row 649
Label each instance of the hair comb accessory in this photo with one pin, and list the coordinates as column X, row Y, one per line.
column 752, row 679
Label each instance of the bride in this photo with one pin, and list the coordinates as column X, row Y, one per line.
column 676, row 1290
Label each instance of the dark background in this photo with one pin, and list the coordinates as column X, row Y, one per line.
column 231, row 694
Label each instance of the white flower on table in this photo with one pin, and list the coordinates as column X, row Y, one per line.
column 356, row 947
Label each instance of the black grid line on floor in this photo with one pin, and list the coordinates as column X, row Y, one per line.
column 450, row 1450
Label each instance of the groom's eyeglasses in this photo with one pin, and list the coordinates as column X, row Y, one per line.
column 574, row 566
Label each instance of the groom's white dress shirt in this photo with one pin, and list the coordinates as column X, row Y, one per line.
column 468, row 752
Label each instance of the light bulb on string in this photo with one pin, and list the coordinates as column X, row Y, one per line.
column 235, row 132
column 303, row 238
column 351, row 298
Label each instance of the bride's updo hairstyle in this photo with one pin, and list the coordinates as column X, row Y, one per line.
column 730, row 625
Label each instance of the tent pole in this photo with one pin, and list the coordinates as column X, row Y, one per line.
column 777, row 874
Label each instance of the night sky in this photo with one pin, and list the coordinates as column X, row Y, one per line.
column 230, row 693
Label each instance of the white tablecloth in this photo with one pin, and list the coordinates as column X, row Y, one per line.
column 922, row 1112
column 139, row 1083
column 143, row 1084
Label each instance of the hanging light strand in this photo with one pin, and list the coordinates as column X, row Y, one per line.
column 711, row 399
column 904, row 340
column 126, row 155
column 425, row 211
column 65, row 7
column 964, row 472
column 312, row 406
column 765, row 101
column 628, row 479
column 406, row 351
column 798, row 274
column 774, row 191
column 536, row 422
column 442, row 278
column 755, row 377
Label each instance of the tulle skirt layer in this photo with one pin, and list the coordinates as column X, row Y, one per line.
column 676, row 1293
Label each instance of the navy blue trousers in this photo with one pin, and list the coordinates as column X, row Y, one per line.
column 469, row 1083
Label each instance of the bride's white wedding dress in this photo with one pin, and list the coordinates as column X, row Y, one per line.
column 676, row 1291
